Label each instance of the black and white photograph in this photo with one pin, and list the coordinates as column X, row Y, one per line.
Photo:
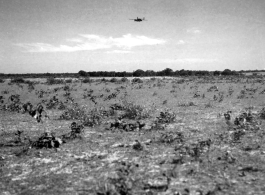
column 132, row 97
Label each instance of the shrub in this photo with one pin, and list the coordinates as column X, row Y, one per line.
column 137, row 80
column 29, row 82
column 87, row 80
column 262, row 113
column 113, row 80
column 124, row 79
column 186, row 104
column 170, row 137
column 166, row 117
column 181, row 81
column 47, row 140
column 2, row 80
column 137, row 112
column 66, row 88
column 17, row 80
column 31, row 86
column 53, row 81
column 68, row 81
column 103, row 80
column 74, row 113
column 52, row 103
column 93, row 118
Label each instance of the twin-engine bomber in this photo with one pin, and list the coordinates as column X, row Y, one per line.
column 139, row 19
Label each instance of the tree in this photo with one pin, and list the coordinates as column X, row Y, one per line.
column 168, row 72
column 150, row 73
column 216, row 73
column 183, row 72
column 139, row 73
column 83, row 73
column 227, row 72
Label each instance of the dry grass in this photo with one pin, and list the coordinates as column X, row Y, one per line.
column 196, row 153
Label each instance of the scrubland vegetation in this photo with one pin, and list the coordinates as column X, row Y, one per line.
column 183, row 135
column 137, row 73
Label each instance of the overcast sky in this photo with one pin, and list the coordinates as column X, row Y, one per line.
column 39, row 36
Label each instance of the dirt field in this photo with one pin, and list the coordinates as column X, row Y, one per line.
column 151, row 136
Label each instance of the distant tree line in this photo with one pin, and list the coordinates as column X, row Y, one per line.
column 40, row 75
column 151, row 73
column 246, row 71
column 136, row 73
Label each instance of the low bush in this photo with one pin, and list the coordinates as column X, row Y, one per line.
column 53, row 81
column 181, row 81
column 137, row 112
column 262, row 113
column 29, row 82
column 66, row 88
column 74, row 113
column 47, row 140
column 124, row 79
column 31, row 86
column 68, row 81
column 104, row 80
column 91, row 119
column 170, row 137
column 186, row 104
column 137, row 80
column 166, row 117
column 17, row 80
column 113, row 80
column 87, row 80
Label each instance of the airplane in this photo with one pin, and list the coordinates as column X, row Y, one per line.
column 139, row 19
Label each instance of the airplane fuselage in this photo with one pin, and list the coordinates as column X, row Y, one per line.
column 138, row 19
